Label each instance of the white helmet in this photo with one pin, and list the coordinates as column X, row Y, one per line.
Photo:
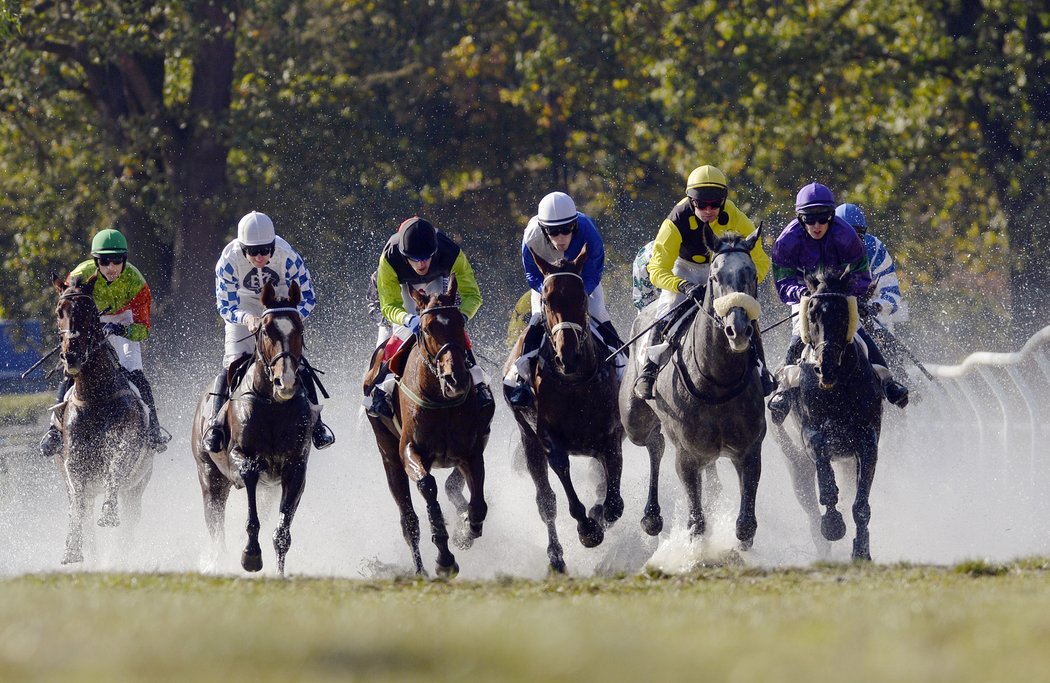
column 557, row 208
column 255, row 230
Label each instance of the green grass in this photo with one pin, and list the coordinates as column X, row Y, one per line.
column 24, row 408
column 975, row 622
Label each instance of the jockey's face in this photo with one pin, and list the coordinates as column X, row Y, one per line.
column 816, row 223
column 561, row 242
column 110, row 267
column 421, row 267
column 706, row 210
column 259, row 260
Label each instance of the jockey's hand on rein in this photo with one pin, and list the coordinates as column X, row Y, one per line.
column 870, row 308
column 251, row 322
column 693, row 291
column 412, row 323
column 114, row 330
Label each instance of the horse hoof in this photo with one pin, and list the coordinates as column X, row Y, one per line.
column 463, row 538
column 653, row 524
column 833, row 526
column 556, row 568
column 613, row 511
column 252, row 562
column 861, row 553
column 109, row 519
column 746, row 544
column 449, row 572
column 591, row 534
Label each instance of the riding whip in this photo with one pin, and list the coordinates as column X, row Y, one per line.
column 682, row 308
column 40, row 362
column 892, row 339
column 779, row 322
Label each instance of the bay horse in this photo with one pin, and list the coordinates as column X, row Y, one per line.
column 708, row 400
column 269, row 419
column 575, row 409
column 836, row 415
column 437, row 422
column 104, row 421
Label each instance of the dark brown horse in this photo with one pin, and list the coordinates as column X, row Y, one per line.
column 437, row 423
column 104, row 422
column 836, row 417
column 269, row 420
column 575, row 411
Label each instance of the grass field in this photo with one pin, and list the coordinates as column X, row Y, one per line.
column 24, row 408
column 973, row 622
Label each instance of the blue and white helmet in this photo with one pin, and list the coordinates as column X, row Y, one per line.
column 852, row 214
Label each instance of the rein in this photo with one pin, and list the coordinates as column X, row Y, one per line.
column 583, row 339
column 430, row 363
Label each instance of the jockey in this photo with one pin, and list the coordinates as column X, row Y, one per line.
column 121, row 290
column 679, row 266
column 258, row 256
column 817, row 238
column 558, row 231
column 885, row 302
column 418, row 256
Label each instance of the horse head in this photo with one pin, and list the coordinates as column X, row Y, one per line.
column 443, row 339
column 732, row 285
column 828, row 320
column 279, row 340
column 564, row 301
column 78, row 322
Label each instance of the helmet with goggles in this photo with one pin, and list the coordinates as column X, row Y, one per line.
column 707, row 183
column 852, row 214
column 255, row 230
column 109, row 241
column 418, row 239
column 557, row 213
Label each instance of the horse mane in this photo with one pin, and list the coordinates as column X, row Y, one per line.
column 829, row 280
column 730, row 240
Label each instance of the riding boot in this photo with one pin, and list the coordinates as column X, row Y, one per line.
column 158, row 440
column 769, row 382
column 895, row 392
column 52, row 441
column 214, row 437
column 645, row 384
column 610, row 336
column 322, row 435
column 521, row 396
column 380, row 406
column 780, row 402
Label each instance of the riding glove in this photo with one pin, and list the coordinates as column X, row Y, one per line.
column 693, row 291
column 413, row 324
column 114, row 330
column 251, row 322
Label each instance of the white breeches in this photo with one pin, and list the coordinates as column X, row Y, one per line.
column 695, row 273
column 129, row 352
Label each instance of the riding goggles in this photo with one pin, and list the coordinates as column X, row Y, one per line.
column 259, row 249
column 563, row 229
column 706, row 204
column 811, row 218
column 111, row 260
column 420, row 259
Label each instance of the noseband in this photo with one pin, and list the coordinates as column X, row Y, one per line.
column 719, row 318
column 564, row 325
column 269, row 365
column 96, row 340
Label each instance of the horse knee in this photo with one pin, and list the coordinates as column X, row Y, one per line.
column 861, row 513
column 428, row 487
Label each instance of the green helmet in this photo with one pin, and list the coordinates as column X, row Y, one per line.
column 109, row 242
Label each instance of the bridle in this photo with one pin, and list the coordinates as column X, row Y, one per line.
column 835, row 347
column 565, row 326
column 430, row 360
column 268, row 366
column 718, row 319
column 95, row 341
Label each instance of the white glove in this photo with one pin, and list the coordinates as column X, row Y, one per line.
column 251, row 322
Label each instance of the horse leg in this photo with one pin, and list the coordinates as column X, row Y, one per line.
column 613, row 467
column 251, row 556
column 652, row 520
column 110, row 516
column 397, row 482
column 293, row 480
column 590, row 531
column 749, row 471
column 832, row 526
column 689, row 474
column 866, row 460
column 446, row 561
column 477, row 508
column 78, row 505
column 803, row 480
column 536, row 463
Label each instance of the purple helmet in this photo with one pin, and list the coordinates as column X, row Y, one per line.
column 813, row 196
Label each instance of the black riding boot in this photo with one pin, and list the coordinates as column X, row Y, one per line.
column 646, row 381
column 158, row 440
column 52, row 441
column 896, row 393
column 521, row 395
column 380, row 401
column 780, row 402
column 322, row 435
column 214, row 437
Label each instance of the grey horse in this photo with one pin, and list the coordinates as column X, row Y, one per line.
column 708, row 398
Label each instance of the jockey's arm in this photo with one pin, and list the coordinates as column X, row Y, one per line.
column 227, row 300
column 469, row 293
column 390, row 301
column 595, row 265
column 884, row 274
column 140, row 312
column 666, row 248
column 532, row 272
column 296, row 271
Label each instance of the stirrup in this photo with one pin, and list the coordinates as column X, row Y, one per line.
column 896, row 393
column 213, row 439
column 380, row 405
column 779, row 406
column 645, row 384
column 521, row 395
column 484, row 396
column 322, row 435
column 51, row 443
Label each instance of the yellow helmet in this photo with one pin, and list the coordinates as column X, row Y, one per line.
column 710, row 179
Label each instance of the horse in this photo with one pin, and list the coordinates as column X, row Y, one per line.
column 575, row 409
column 709, row 401
column 438, row 422
column 104, row 421
column 269, row 419
column 836, row 415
